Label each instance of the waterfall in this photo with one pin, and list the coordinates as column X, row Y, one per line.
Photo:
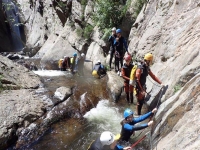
column 12, row 15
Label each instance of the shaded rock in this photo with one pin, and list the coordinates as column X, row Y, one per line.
column 18, row 75
column 115, row 85
column 62, row 93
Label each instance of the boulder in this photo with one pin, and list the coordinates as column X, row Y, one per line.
column 62, row 93
column 18, row 108
column 17, row 74
column 115, row 85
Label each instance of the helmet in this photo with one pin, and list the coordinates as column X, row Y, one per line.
column 113, row 29
column 99, row 61
column 75, row 54
column 107, row 138
column 149, row 57
column 127, row 57
column 118, row 31
column 82, row 54
column 128, row 112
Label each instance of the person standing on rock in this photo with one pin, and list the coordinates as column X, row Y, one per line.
column 126, row 71
column 80, row 64
column 129, row 123
column 111, row 40
column 73, row 63
column 143, row 70
column 120, row 44
column 106, row 139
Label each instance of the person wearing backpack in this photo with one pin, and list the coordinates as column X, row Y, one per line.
column 111, row 40
column 126, row 71
column 98, row 70
column 142, row 71
column 120, row 44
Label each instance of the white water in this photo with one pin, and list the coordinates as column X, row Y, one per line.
column 52, row 73
column 105, row 116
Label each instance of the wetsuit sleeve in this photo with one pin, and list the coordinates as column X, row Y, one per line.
column 154, row 77
column 118, row 147
column 125, row 45
column 123, row 74
column 142, row 117
column 140, row 127
column 135, row 128
column 138, row 75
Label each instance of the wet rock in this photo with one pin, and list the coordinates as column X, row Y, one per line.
column 115, row 85
column 62, row 93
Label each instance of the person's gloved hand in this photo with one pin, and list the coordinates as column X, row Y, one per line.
column 150, row 123
column 154, row 110
column 127, row 148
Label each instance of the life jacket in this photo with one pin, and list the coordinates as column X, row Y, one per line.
column 120, row 45
column 125, row 134
column 95, row 71
column 72, row 60
column 127, row 71
column 111, row 40
column 60, row 63
column 132, row 76
column 145, row 72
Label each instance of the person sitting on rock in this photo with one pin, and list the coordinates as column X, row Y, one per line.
column 98, row 70
column 106, row 139
column 128, row 124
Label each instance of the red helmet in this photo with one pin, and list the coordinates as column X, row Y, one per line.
column 127, row 57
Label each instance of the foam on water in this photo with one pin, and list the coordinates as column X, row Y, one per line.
column 105, row 116
column 51, row 73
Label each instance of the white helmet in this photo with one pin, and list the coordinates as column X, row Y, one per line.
column 107, row 138
column 113, row 29
column 99, row 61
column 82, row 55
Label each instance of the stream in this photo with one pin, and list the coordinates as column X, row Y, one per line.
column 76, row 134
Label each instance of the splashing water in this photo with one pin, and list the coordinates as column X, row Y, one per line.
column 105, row 117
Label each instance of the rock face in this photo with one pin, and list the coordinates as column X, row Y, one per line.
column 62, row 93
column 5, row 45
column 169, row 30
column 178, row 119
column 14, row 76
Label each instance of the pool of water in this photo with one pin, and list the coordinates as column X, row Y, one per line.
column 77, row 134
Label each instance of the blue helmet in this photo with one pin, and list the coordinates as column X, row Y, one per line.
column 118, row 31
column 128, row 112
column 75, row 54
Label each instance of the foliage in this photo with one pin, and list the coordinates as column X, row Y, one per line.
column 87, row 31
column 109, row 13
column 106, row 34
column 138, row 6
column 177, row 87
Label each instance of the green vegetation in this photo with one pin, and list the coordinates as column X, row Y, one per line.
column 138, row 6
column 177, row 87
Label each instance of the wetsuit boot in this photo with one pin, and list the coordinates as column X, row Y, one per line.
column 139, row 106
column 131, row 97
column 127, row 97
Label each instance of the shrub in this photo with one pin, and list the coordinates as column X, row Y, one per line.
column 138, row 6
column 87, row 31
column 177, row 87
